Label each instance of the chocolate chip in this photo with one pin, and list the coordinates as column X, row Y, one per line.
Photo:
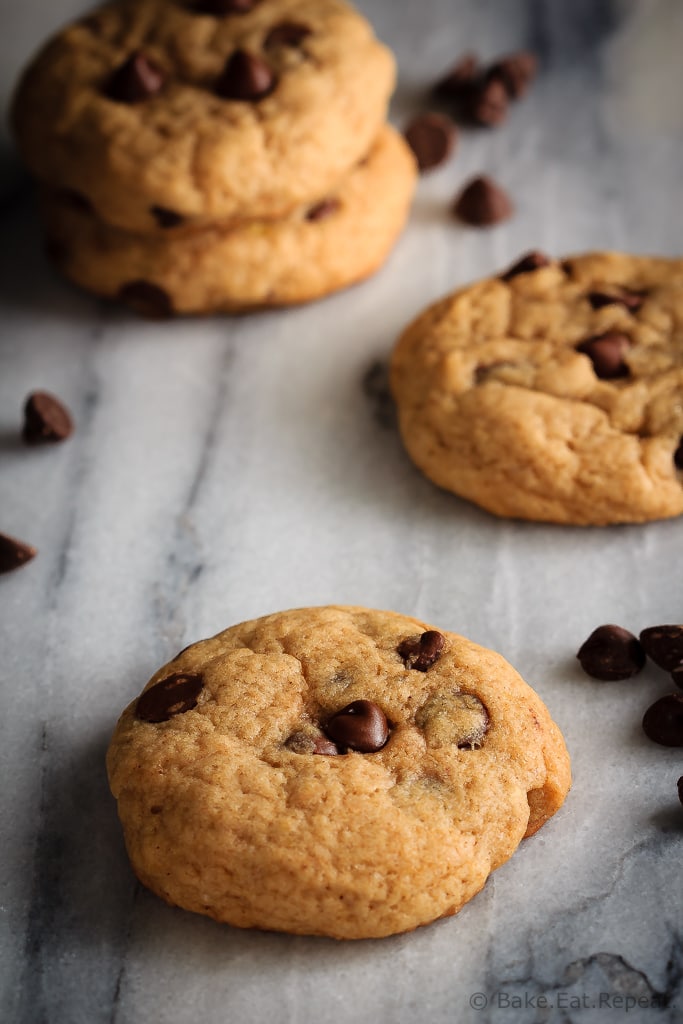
column 166, row 218
column 680, row 789
column 678, row 455
column 46, row 419
column 172, row 696
column 323, row 209
column 287, row 33
column 489, row 104
column 220, row 7
column 515, row 72
column 611, row 653
column 632, row 300
column 14, row 553
column 421, row 652
column 663, row 721
column 361, row 725
column 677, row 675
column 606, row 352
column 458, row 82
column 135, row 80
column 308, row 743
column 449, row 719
column 482, row 202
column 664, row 644
column 526, row 265
column 246, row 77
column 432, row 139
column 146, row 299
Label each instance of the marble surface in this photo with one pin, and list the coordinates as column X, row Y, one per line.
column 224, row 468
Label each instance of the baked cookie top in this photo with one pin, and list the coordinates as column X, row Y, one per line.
column 166, row 113
column 315, row 250
column 553, row 392
column 333, row 771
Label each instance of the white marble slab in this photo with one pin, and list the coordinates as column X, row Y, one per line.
column 225, row 468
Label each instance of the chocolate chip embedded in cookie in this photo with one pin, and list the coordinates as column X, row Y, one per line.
column 221, row 111
column 531, row 397
column 293, row 774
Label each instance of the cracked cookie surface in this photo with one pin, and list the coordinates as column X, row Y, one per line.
column 241, row 797
column 553, row 392
column 316, row 250
column 161, row 146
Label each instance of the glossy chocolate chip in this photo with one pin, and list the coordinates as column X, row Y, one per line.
column 135, row 80
column 663, row 721
column 678, row 455
column 611, row 653
column 664, row 644
column 489, row 104
column 46, row 419
column 361, row 725
column 301, row 742
column 453, row 719
column 421, row 652
column 482, row 203
column 14, row 553
column 606, row 352
column 631, row 300
column 322, row 210
column 166, row 218
column 146, row 299
column 526, row 265
column 221, row 7
column 172, row 696
column 432, row 139
column 457, row 83
column 246, row 77
column 515, row 72
column 288, row 33
column 680, row 789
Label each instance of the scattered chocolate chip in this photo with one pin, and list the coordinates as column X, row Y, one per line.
column 489, row 103
column 172, row 696
column 481, row 202
column 611, row 653
column 246, row 77
column 664, row 644
column 458, row 82
column 677, row 675
column 606, row 352
column 663, row 721
column 146, row 299
column 73, row 199
column 135, row 80
column 680, row 789
column 678, row 455
column 14, row 553
column 432, row 138
column 46, row 419
column 307, row 743
column 532, row 261
column 287, row 33
column 515, row 72
column 361, row 725
column 449, row 719
column 220, row 7
column 421, row 652
column 166, row 218
column 632, row 300
column 324, row 209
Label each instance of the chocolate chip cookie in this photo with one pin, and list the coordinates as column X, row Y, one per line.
column 554, row 391
column 332, row 771
column 322, row 247
column 163, row 114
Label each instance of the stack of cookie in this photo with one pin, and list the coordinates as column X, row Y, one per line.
column 205, row 155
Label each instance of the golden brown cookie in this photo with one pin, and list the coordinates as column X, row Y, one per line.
column 165, row 113
column 332, row 771
column 553, row 392
column 320, row 248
